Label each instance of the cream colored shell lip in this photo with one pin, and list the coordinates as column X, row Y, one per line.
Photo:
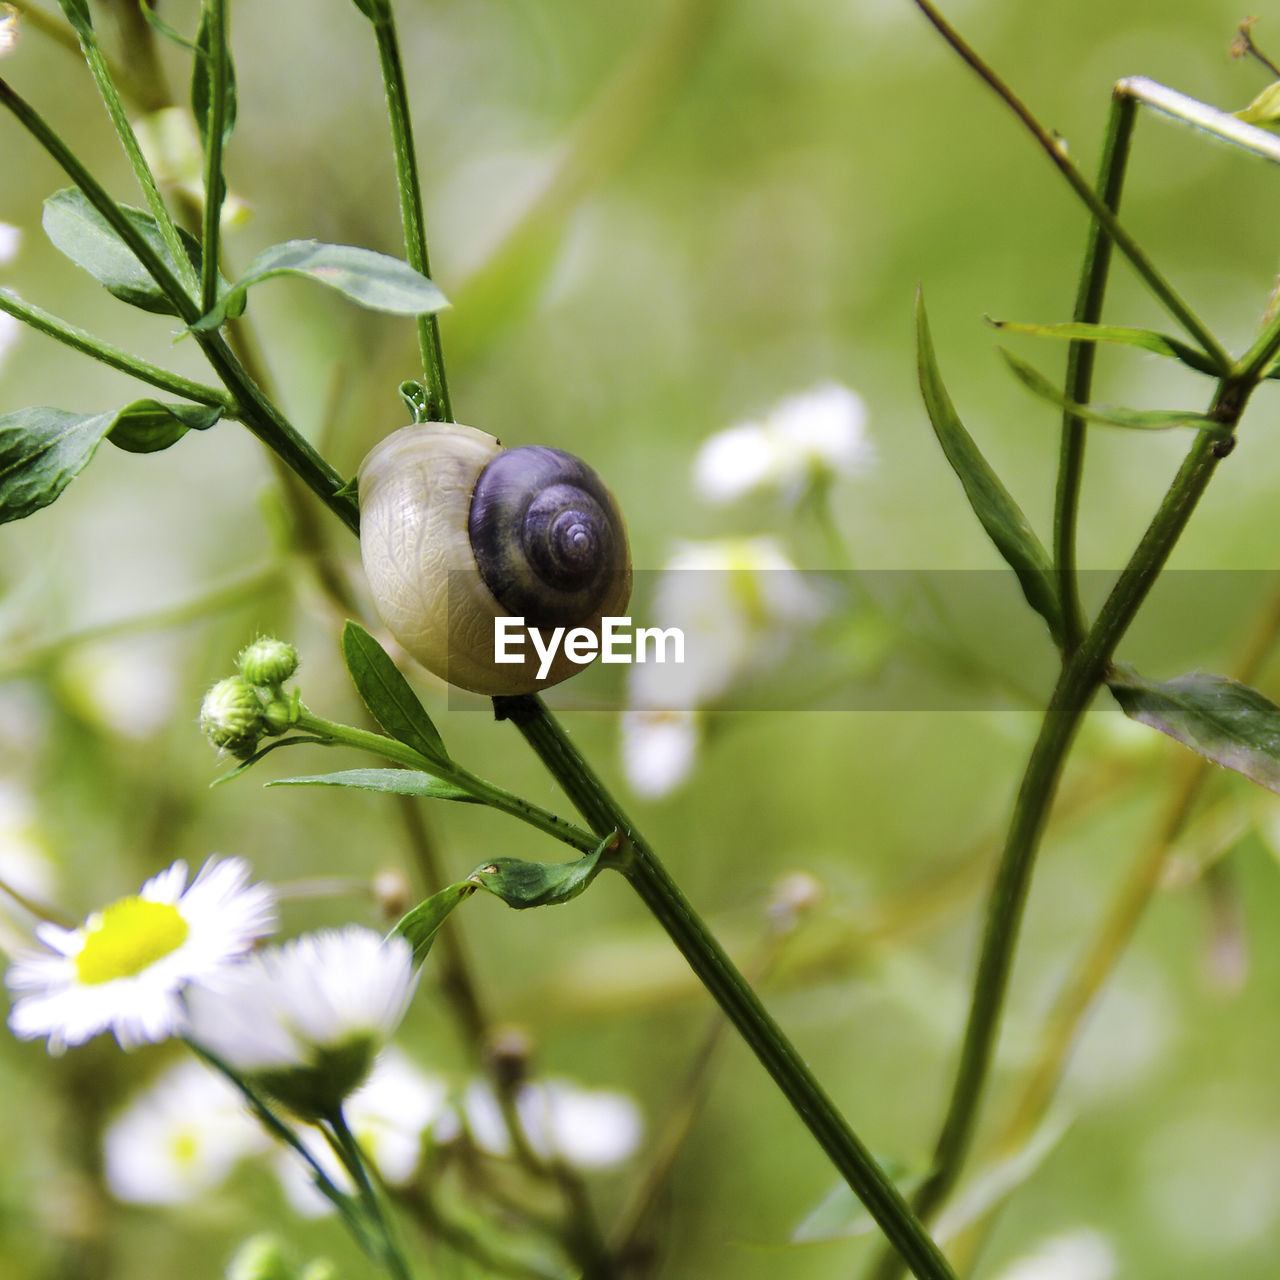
column 415, row 496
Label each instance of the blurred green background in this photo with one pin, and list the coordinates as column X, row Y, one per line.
column 750, row 216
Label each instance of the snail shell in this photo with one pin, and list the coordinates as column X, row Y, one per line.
column 456, row 531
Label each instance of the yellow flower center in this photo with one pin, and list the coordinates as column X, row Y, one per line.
column 127, row 937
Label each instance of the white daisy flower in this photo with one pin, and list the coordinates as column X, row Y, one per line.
column 306, row 1019
column 8, row 42
column 588, row 1128
column 1082, row 1254
column 816, row 435
column 179, row 1139
column 124, row 969
column 388, row 1115
column 10, row 236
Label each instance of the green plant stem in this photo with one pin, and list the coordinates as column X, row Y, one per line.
column 411, row 217
column 1080, row 363
column 1081, row 677
column 1052, row 147
column 83, row 341
column 347, row 1149
column 334, row 734
column 256, row 410
column 102, row 77
column 719, row 975
column 214, row 185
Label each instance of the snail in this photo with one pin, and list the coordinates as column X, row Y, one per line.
column 456, row 532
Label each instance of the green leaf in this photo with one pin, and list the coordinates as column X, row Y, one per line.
column 540, row 884
column 162, row 28
column 371, row 279
column 374, row 10
column 1264, row 109
column 400, row 782
column 41, row 451
column 1108, row 415
column 1217, row 717
column 147, row 426
column 422, row 924
column 79, row 231
column 202, row 80
column 1160, row 344
column 76, row 13
column 391, row 702
column 1001, row 517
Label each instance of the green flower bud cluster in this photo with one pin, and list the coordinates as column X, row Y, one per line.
column 239, row 711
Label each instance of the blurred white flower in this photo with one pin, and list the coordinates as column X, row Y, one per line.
column 178, row 1139
column 815, row 435
column 10, row 236
column 25, row 862
column 306, row 1019
column 659, row 749
column 739, row 602
column 591, row 1129
column 125, row 968
column 389, row 1115
column 1082, row 1254
column 127, row 687
column 8, row 42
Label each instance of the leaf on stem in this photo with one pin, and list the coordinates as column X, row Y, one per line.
column 162, row 28
column 386, row 693
column 1219, row 718
column 147, row 426
column 374, row 10
column 1160, row 344
column 1000, row 515
column 202, row 80
column 1108, row 415
column 373, row 280
column 1264, row 110
column 43, row 449
column 540, row 884
column 422, row 924
column 80, row 232
column 76, row 13
column 400, row 782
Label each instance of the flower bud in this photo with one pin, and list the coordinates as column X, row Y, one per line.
column 231, row 716
column 281, row 713
column 268, row 662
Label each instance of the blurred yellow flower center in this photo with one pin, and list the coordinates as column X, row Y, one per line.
column 127, row 937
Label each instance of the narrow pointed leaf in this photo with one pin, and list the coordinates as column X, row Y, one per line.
column 391, row 702
column 1217, row 717
column 422, row 924
column 840, row 1215
column 1264, row 110
column 162, row 28
column 539, row 884
column 147, row 426
column 1000, row 515
column 374, row 10
column 76, row 13
column 400, row 782
column 373, row 280
column 1160, row 344
column 79, row 231
column 202, row 81
column 1108, row 415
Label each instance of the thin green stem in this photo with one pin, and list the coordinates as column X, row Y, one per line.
column 1081, row 677
column 83, row 341
column 1052, row 147
column 1080, row 363
column 102, row 77
column 720, row 976
column 215, row 127
column 411, row 216
column 332, row 733
column 347, row 1149
column 257, row 412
